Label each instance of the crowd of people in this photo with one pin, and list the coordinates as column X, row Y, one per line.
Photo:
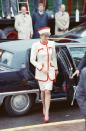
column 8, row 4
column 27, row 25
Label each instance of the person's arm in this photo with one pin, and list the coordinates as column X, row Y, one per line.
column 54, row 58
column 67, row 21
column 31, row 27
column 75, row 73
column 81, row 65
column 33, row 57
column 17, row 27
column 33, row 19
column 59, row 21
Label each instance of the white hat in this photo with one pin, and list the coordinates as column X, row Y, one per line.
column 44, row 30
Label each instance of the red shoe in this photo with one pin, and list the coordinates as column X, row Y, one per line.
column 46, row 120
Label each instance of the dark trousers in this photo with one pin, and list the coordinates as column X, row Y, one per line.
column 7, row 4
column 57, row 4
column 34, row 4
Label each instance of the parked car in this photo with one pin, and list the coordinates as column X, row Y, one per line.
column 75, row 33
column 79, row 31
column 18, row 92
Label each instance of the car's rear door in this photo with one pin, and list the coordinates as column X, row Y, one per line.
column 10, row 80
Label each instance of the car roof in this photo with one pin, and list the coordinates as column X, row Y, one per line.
column 71, row 44
column 78, row 42
column 18, row 45
column 76, row 45
column 22, row 45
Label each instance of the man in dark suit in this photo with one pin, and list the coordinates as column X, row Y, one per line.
column 81, row 93
column 40, row 19
column 81, row 87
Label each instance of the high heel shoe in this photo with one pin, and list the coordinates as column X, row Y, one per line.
column 46, row 120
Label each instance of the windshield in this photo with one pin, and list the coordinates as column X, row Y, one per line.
column 79, row 30
column 77, row 53
column 6, row 57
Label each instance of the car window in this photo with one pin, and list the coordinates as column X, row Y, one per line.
column 78, row 29
column 65, row 60
column 77, row 53
column 6, row 58
column 83, row 34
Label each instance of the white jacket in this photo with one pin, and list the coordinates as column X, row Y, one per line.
column 23, row 24
column 61, row 21
column 44, row 56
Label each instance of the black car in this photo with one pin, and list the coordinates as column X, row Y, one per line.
column 19, row 91
column 75, row 33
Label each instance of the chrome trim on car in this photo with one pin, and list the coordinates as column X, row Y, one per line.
column 57, row 99
column 5, row 94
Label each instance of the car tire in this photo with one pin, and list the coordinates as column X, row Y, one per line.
column 11, row 33
column 17, row 105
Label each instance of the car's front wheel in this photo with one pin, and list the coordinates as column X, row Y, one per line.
column 17, row 105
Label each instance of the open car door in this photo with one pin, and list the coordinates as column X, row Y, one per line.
column 65, row 68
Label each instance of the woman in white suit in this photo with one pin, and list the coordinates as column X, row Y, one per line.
column 43, row 57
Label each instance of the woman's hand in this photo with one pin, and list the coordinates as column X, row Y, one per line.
column 56, row 72
column 44, row 70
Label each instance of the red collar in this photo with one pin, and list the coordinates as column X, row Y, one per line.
column 44, row 43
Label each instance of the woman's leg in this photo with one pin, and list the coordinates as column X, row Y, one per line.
column 47, row 103
column 43, row 101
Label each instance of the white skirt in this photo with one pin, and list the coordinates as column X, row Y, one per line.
column 48, row 85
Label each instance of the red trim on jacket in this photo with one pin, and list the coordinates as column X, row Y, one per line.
column 48, row 63
column 48, row 78
column 40, row 49
column 50, row 47
column 51, row 64
column 44, row 80
column 41, row 68
column 44, row 43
